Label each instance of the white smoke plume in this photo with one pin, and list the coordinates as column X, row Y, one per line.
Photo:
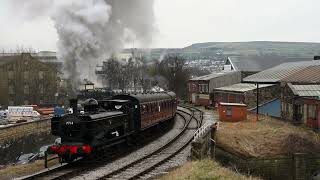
column 91, row 30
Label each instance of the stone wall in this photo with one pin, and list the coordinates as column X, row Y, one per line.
column 265, row 94
column 296, row 166
column 8, row 134
column 204, row 146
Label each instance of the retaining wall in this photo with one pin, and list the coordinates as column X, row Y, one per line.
column 17, row 131
column 204, row 147
column 294, row 167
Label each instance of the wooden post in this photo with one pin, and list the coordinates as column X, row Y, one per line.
column 257, row 115
column 299, row 166
column 213, row 141
column 45, row 159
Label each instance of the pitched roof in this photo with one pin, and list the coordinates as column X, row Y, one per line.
column 242, row 87
column 260, row 63
column 282, row 71
column 308, row 75
column 306, row 90
column 212, row 76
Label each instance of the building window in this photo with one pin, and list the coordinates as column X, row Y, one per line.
column 10, row 75
column 11, row 89
column 41, row 75
column 312, row 114
column 26, row 89
column 11, row 67
column 26, row 102
column 26, row 75
column 229, row 111
column 41, row 100
column 41, row 89
column 204, row 88
column 11, row 102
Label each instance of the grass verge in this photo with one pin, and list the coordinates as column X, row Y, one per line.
column 205, row 169
column 267, row 137
column 12, row 172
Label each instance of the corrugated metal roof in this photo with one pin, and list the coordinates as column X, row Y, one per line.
column 309, row 75
column 242, row 87
column 306, row 90
column 260, row 63
column 211, row 76
column 280, row 72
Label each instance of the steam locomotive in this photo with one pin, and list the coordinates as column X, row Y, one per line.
column 105, row 123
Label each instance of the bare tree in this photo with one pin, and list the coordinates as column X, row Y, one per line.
column 172, row 69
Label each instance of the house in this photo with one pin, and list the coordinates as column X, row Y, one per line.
column 299, row 83
column 244, row 93
column 25, row 80
column 301, row 104
column 199, row 88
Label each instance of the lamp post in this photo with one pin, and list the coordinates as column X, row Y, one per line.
column 173, row 71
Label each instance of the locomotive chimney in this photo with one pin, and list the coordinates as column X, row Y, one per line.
column 74, row 105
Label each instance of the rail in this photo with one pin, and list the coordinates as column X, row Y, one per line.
column 74, row 170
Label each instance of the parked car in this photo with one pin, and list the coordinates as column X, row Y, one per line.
column 26, row 158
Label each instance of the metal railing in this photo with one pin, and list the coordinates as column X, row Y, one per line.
column 202, row 130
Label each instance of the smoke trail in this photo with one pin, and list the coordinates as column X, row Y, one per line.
column 91, row 30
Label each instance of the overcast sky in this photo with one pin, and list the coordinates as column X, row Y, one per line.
column 183, row 22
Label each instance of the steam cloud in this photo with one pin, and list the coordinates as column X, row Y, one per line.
column 91, row 30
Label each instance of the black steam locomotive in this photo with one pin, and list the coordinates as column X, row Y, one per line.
column 109, row 122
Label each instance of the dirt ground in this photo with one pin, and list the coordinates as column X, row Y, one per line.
column 11, row 172
column 267, row 137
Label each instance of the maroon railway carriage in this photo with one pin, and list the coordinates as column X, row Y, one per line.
column 151, row 108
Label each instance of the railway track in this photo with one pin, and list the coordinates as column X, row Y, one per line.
column 140, row 166
column 146, row 164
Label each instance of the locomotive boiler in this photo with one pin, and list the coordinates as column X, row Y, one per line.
column 103, row 124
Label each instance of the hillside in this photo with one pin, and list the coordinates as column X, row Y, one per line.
column 218, row 50
column 289, row 49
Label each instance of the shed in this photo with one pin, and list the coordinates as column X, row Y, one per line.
column 232, row 112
